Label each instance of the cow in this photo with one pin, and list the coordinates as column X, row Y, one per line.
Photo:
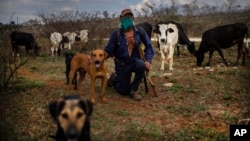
column 167, row 34
column 74, row 38
column 183, row 39
column 147, row 28
column 84, row 36
column 57, row 41
column 222, row 37
column 23, row 39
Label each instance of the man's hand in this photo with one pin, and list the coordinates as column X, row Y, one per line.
column 148, row 66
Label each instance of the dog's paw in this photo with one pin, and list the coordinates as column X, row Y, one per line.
column 105, row 100
column 93, row 101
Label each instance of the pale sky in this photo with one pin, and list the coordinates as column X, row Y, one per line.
column 24, row 10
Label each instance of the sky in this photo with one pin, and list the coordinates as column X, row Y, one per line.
column 23, row 10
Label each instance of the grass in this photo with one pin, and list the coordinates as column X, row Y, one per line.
column 199, row 106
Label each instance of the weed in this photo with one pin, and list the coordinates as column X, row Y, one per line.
column 24, row 84
column 227, row 97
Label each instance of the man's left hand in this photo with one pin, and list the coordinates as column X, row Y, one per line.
column 148, row 66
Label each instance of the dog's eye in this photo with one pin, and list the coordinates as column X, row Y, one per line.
column 101, row 55
column 79, row 115
column 65, row 116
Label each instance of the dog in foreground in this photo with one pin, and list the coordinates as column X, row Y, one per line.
column 95, row 66
column 72, row 115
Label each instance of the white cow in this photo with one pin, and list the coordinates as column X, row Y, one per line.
column 84, row 36
column 56, row 40
column 72, row 37
column 167, row 34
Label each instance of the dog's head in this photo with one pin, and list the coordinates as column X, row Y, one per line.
column 72, row 116
column 98, row 56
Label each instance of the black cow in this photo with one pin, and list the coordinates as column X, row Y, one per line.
column 183, row 39
column 222, row 37
column 147, row 28
column 23, row 39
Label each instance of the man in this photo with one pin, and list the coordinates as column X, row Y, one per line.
column 124, row 45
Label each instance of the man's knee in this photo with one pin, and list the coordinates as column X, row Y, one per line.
column 140, row 65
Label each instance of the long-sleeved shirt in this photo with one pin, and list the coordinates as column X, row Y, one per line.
column 118, row 46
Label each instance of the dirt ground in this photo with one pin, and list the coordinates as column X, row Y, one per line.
column 200, row 105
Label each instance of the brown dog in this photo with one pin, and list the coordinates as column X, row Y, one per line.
column 95, row 66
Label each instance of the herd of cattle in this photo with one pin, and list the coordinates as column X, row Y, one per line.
column 169, row 34
column 58, row 41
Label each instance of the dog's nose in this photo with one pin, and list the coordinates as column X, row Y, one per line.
column 72, row 133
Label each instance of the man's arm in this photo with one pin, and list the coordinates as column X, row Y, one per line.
column 110, row 48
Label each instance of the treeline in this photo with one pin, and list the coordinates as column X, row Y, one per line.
column 195, row 19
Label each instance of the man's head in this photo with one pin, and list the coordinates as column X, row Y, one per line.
column 126, row 19
column 126, row 13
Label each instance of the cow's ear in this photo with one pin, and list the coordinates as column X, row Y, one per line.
column 156, row 30
column 170, row 30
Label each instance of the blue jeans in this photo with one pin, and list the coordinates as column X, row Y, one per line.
column 122, row 83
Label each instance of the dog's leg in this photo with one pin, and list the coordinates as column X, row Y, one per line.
column 71, row 75
column 81, row 78
column 104, row 84
column 92, row 90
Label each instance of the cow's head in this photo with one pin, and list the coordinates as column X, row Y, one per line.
column 191, row 48
column 162, row 31
column 199, row 57
column 77, row 38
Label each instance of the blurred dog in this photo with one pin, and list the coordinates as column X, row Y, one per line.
column 72, row 115
column 95, row 66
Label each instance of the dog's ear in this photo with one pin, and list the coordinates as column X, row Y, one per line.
column 55, row 108
column 105, row 54
column 92, row 54
column 87, row 106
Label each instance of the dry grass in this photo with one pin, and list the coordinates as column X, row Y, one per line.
column 200, row 105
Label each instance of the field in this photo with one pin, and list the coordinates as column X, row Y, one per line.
column 200, row 105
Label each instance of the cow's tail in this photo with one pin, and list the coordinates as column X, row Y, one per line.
column 246, row 46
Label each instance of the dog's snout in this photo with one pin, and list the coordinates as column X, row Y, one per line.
column 72, row 133
column 97, row 62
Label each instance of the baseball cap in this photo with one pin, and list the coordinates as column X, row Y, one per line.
column 126, row 11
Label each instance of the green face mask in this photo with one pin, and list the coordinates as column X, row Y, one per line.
column 126, row 23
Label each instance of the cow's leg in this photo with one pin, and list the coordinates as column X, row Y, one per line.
column 178, row 50
column 222, row 56
column 52, row 51
column 170, row 57
column 163, row 60
column 240, row 45
column 27, row 49
column 211, row 52
column 16, row 52
column 14, row 49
